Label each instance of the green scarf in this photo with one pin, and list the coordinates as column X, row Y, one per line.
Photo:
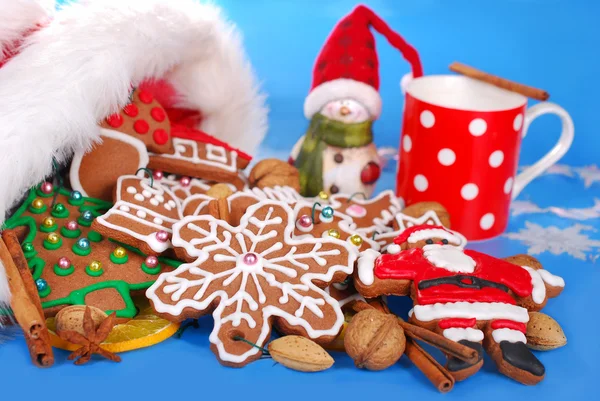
column 321, row 133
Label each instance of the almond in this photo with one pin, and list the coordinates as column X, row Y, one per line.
column 71, row 318
column 270, row 173
column 544, row 333
column 300, row 353
column 219, row 191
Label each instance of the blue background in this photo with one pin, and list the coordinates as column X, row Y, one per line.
column 552, row 44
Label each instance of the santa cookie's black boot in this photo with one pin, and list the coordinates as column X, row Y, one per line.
column 459, row 369
column 518, row 355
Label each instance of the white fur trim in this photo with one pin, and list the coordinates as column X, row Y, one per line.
column 469, row 310
column 76, row 163
column 512, row 336
column 80, row 68
column 458, row 333
column 18, row 16
column 343, row 88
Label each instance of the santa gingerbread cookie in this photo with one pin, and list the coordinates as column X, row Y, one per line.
column 467, row 296
column 252, row 276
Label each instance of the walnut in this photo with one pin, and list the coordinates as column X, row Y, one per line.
column 274, row 172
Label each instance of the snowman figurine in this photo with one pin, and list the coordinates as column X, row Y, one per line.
column 337, row 154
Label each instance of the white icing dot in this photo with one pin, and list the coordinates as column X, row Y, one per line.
column 167, row 206
column 172, row 203
column 153, row 202
column 131, row 190
column 518, row 122
column 496, row 158
column 487, row 221
column 477, row 127
column 446, row 157
column 160, row 198
column 406, row 143
column 124, row 208
column 420, row 182
column 180, row 148
column 469, row 191
column 158, row 220
column 508, row 185
column 427, row 119
column 139, row 197
column 141, row 214
column 146, row 193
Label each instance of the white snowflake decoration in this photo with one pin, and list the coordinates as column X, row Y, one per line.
column 252, row 273
column 589, row 174
column 557, row 241
column 527, row 207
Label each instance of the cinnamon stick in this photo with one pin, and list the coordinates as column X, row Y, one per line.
column 25, row 301
column 445, row 345
column 435, row 372
column 219, row 209
column 471, row 72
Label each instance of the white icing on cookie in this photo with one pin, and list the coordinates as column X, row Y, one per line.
column 551, row 279
column 538, row 295
column 449, row 257
column 214, row 156
column 366, row 266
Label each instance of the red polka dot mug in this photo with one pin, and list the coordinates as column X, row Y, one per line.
column 460, row 146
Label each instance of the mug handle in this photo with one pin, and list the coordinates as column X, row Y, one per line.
column 554, row 155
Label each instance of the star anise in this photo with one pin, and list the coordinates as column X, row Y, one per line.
column 90, row 342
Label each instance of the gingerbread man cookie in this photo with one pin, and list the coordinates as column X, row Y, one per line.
column 142, row 216
column 252, row 276
column 467, row 296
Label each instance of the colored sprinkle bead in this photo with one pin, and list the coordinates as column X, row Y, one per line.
column 162, row 236
column 59, row 210
column 47, row 188
column 158, row 175
column 63, row 267
column 185, row 181
column 86, row 218
column 304, row 223
column 75, row 198
column 71, row 230
column 150, row 265
column 323, row 195
column 37, row 206
column 82, row 247
column 119, row 256
column 94, row 269
column 356, row 239
column 332, row 232
column 42, row 287
column 327, row 214
column 28, row 247
column 52, row 241
column 48, row 225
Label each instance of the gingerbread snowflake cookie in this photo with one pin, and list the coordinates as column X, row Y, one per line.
column 251, row 276
column 142, row 216
column 475, row 299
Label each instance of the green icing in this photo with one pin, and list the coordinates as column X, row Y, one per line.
column 38, row 192
column 95, row 236
column 63, row 272
column 38, row 211
column 92, row 273
column 65, row 232
column 45, row 293
column 75, row 202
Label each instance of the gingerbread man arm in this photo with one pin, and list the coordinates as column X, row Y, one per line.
column 545, row 284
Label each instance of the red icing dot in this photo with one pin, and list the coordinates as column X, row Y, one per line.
column 146, row 97
column 158, row 114
column 370, row 173
column 114, row 120
column 160, row 136
column 141, row 127
column 131, row 110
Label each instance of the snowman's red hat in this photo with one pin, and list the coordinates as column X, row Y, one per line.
column 348, row 68
column 426, row 231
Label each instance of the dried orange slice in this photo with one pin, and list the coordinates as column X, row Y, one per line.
column 144, row 330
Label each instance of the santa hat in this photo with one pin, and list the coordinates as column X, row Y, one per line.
column 81, row 66
column 347, row 66
column 424, row 232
